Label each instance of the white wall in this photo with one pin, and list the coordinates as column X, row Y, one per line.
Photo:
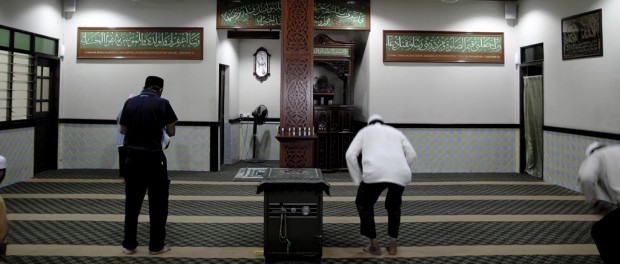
column 579, row 93
column 97, row 88
column 441, row 93
column 252, row 92
column 228, row 54
column 42, row 17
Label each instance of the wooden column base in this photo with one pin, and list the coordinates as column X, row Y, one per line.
column 297, row 151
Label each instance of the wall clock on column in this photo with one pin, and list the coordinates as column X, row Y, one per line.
column 261, row 64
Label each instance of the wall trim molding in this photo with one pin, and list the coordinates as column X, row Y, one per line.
column 401, row 125
column 360, row 124
column 580, row 132
column 455, row 125
column 16, row 125
column 244, row 119
column 113, row 122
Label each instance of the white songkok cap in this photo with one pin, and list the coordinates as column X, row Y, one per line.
column 375, row 117
column 593, row 146
column 2, row 162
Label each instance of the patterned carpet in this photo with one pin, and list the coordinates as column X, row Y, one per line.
column 75, row 216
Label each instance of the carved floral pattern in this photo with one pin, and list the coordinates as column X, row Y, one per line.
column 295, row 156
column 340, row 68
column 296, row 83
column 297, row 26
column 346, row 120
column 296, row 86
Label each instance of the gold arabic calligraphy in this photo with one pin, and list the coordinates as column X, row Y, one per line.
column 113, row 39
column 425, row 43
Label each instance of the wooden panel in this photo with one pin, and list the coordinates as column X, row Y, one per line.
column 345, row 142
column 333, row 151
column 345, row 115
column 296, row 82
column 321, row 151
column 296, row 92
column 334, row 131
column 336, row 57
column 297, row 28
column 322, row 115
column 297, row 154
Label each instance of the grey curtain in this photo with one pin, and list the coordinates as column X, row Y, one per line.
column 533, row 115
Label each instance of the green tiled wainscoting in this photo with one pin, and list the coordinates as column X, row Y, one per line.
column 17, row 146
column 439, row 150
column 465, row 149
column 94, row 146
column 563, row 156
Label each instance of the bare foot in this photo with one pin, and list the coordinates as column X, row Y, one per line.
column 374, row 248
column 392, row 247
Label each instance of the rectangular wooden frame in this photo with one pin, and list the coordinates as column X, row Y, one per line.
column 582, row 35
column 443, row 46
column 140, row 43
column 267, row 14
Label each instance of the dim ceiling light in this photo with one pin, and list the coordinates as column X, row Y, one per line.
column 449, row 1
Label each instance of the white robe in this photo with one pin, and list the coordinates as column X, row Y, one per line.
column 387, row 156
column 601, row 168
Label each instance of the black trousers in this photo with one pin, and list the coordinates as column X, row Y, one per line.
column 146, row 173
column 606, row 235
column 367, row 196
column 122, row 156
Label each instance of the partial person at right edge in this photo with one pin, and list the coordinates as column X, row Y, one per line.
column 387, row 160
column 601, row 169
column 4, row 222
column 141, row 122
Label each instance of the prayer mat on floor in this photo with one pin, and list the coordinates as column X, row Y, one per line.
column 251, row 174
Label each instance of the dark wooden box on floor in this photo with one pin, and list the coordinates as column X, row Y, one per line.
column 293, row 214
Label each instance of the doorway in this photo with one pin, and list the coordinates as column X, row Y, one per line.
column 532, row 111
column 222, row 117
column 45, row 104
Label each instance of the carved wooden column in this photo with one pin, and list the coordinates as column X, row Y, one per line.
column 296, row 150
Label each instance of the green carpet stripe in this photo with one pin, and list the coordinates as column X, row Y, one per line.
column 326, row 220
column 60, row 180
column 328, row 252
column 260, row 197
column 76, row 216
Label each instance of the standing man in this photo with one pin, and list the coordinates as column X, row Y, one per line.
column 601, row 168
column 141, row 122
column 4, row 222
column 387, row 157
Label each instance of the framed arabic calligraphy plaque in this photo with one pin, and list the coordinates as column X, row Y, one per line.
column 140, row 43
column 443, row 46
column 582, row 35
column 267, row 14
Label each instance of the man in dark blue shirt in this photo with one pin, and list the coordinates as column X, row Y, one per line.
column 4, row 222
column 142, row 120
